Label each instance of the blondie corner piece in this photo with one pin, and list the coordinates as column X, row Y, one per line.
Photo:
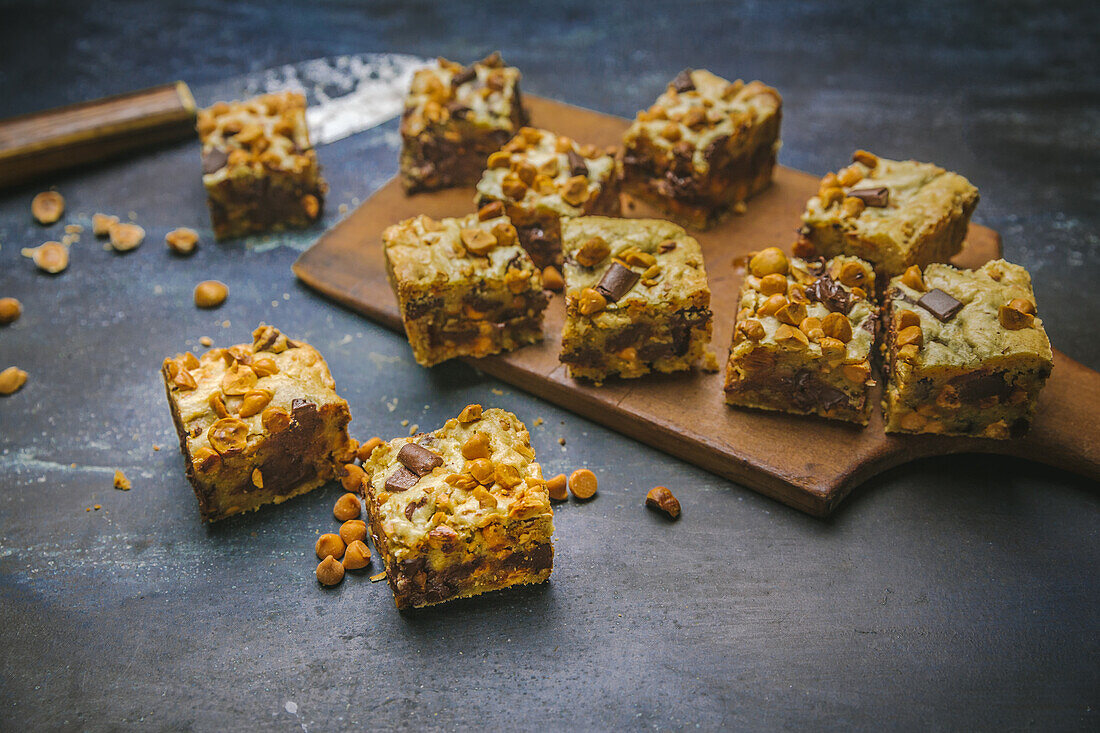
column 636, row 298
column 460, row 511
column 893, row 214
column 965, row 352
column 539, row 178
column 258, row 423
column 803, row 337
column 704, row 147
column 258, row 166
column 465, row 287
column 454, row 118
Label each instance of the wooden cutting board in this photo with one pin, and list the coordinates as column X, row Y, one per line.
column 809, row 463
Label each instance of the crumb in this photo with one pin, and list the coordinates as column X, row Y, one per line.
column 156, row 447
column 496, row 391
column 88, row 509
column 380, row 576
column 538, row 421
column 73, row 229
column 206, row 341
column 274, row 304
column 132, row 215
column 561, row 441
column 710, row 362
column 97, row 507
column 286, row 296
column 342, row 208
column 404, row 423
column 413, row 428
column 121, row 482
column 740, row 208
column 225, row 324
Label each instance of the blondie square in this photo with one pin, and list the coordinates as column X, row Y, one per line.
column 636, row 298
column 703, row 148
column 465, row 286
column 258, row 423
column 454, row 117
column 460, row 511
column 258, row 167
column 891, row 213
column 539, row 178
column 964, row 350
column 803, row 337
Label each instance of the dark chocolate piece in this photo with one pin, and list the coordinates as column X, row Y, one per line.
column 577, row 166
column 300, row 403
column 683, row 83
column 940, row 304
column 401, row 480
column 980, row 385
column 467, row 74
column 419, row 460
column 617, row 281
column 830, row 294
column 214, row 160
column 878, row 197
column 412, row 506
column 457, row 109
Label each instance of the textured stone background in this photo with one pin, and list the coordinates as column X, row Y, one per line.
column 955, row 593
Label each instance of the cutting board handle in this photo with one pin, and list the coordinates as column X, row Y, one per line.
column 38, row 144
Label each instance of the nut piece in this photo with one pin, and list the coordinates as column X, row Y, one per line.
column 210, row 294
column 329, row 545
column 363, row 454
column 238, row 380
column 476, row 446
column 47, row 207
column 264, row 366
column 330, row 572
column 357, row 556
column 257, row 478
column 125, row 236
column 838, row 327
column 911, row 335
column 51, row 257
column 773, row 284
column 254, row 402
column 182, row 241
column 768, row 261
column 352, row 481
column 353, row 529
column 478, row 241
column 10, row 310
column 592, row 252
column 552, row 279
column 661, row 499
column 1013, row 315
column 591, row 301
column 228, row 435
column 347, row 506
column 101, row 224
column 556, row 488
column 583, row 483
column 275, row 420
column 11, row 379
column 470, row 413
column 868, row 159
column 852, row 206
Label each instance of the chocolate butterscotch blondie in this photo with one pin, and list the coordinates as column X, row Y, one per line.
column 636, row 298
column 460, row 511
column 258, row 166
column 258, row 423
column 704, row 147
column 465, row 286
column 454, row 117
column 891, row 213
column 803, row 337
column 538, row 178
column 965, row 351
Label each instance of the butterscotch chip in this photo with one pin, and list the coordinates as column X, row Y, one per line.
column 557, row 488
column 352, row 481
column 330, row 572
column 121, row 482
column 182, row 241
column 592, row 252
column 768, row 261
column 470, row 413
column 47, row 207
column 478, row 241
column 583, row 483
column 368, row 447
column 210, row 294
column 275, row 419
column 357, row 556
column 491, row 210
column 476, row 446
column 661, row 499
column 254, row 402
column 552, row 279
column 51, row 257
column 591, row 301
column 257, row 478
column 914, row 278
column 101, row 224
column 125, row 236
column 10, row 310
column 352, row 530
column 329, row 545
column 347, row 506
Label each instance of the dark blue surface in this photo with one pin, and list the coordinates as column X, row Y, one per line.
column 954, row 593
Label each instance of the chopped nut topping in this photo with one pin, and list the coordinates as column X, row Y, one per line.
column 911, row 335
column 478, row 241
column 1014, row 315
column 257, row 478
column 264, row 366
column 575, row 191
column 914, row 278
column 482, row 470
column 47, row 207
column 852, row 206
column 182, row 241
column 125, row 236
column 491, row 210
column 205, row 459
column 228, row 435
column 773, row 284
column 772, row 305
column 552, row 279
column 254, row 402
column 352, row 480
column 790, row 336
column 592, row 252
column 857, row 373
column 210, row 294
column 838, row 327
column 591, row 301
column 752, row 329
column 476, row 446
column 868, row 159
column 583, row 483
column 470, row 413
column 661, row 499
column 849, row 176
column 275, row 419
column 238, row 380
column 905, row 318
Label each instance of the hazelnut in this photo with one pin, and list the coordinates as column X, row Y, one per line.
column 205, row 459
column 505, row 233
column 11, row 379
column 478, row 241
column 210, row 294
column 330, row 572
column 552, row 279
column 275, row 419
column 182, row 241
column 671, row 132
column 264, row 366
column 238, row 380
column 790, row 336
column 476, row 446
column 913, row 278
column 352, row 530
column 575, row 191
column 639, row 258
column 125, row 236
column 768, row 261
column 329, row 545
column 773, row 284
column 591, row 301
column 792, row 313
column 463, row 481
column 512, row 187
column 228, row 435
column 525, row 171
column 367, row 448
column 357, row 555
column 849, row 176
column 470, row 413
column 47, row 207
column 556, row 488
column 910, row 335
column 592, row 252
column 838, row 327
column 752, row 329
column 506, row 475
column 830, row 196
column 254, row 402
column 482, row 470
column 10, row 310
column 1023, row 305
column 583, row 483
column 852, row 274
column 906, row 318
column 491, row 210
column 347, row 506
column 661, row 499
column 51, row 257
column 311, row 205
column 772, row 305
column 868, row 159
column 832, row 348
column 500, row 159
column 1013, row 318
column 101, row 224
column 352, row 480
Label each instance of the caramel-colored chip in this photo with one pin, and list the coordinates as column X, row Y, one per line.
column 470, row 413
column 330, row 571
column 47, row 207
column 1013, row 318
column 478, row 241
column 257, row 478
column 556, row 487
column 552, row 279
column 352, row 479
column 914, row 278
column 911, row 335
column 837, row 326
column 347, row 506
column 210, row 294
column 592, row 252
column 255, row 400
column 591, row 301
column 357, row 555
column 661, row 499
column 275, row 419
column 773, row 284
column 575, row 191
column 352, row 530
column 491, row 210
column 228, row 435
column 264, row 366
column 583, row 483
column 11, row 379
column 476, row 446
column 905, row 318
column 126, row 236
column 101, row 224
column 329, row 545
column 768, row 261
column 482, row 470
column 238, row 380
column 182, row 241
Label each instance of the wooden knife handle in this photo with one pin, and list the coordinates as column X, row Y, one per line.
column 40, row 143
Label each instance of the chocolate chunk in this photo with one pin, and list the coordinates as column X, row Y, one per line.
column 457, row 109
column 871, row 324
column 830, row 294
column 412, row 506
column 577, row 166
column 401, row 480
column 617, row 281
column 299, row 404
column 940, row 304
column 214, row 160
column 879, row 196
column 683, row 83
column 980, row 385
column 419, row 460
column 467, row 74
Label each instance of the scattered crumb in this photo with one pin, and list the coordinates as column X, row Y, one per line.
column 391, row 406
column 132, row 215
column 286, row 296
column 404, row 423
column 561, row 441
column 342, row 208
column 97, row 507
column 88, row 509
column 496, row 391
column 710, row 362
column 156, row 447
column 274, row 304
column 380, row 576
column 413, row 428
column 538, row 421
column 121, row 482
column 73, row 229
column 739, row 208
column 206, row 341
column 225, row 324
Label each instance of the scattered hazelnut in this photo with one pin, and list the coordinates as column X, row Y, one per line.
column 330, row 572
column 353, row 529
column 772, row 305
column 557, row 488
column 47, row 207
column 264, row 366
column 228, row 435
column 752, row 329
column 661, row 499
column 357, row 556
column 367, row 448
column 505, row 233
column 583, row 483
column 329, row 545
column 830, row 196
column 853, row 274
column 254, row 402
column 11, row 379
column 101, row 224
column 849, row 176
column 352, row 481
column 832, row 348
column 182, row 241
column 852, row 206
column 552, row 279
column 347, row 506
column 911, row 335
column 788, row 335
column 238, row 380
column 210, row 294
column 275, row 419
column 51, row 257
column 575, row 191
column 868, row 159
column 10, row 310
column 125, row 236
column 768, row 261
column 482, row 470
